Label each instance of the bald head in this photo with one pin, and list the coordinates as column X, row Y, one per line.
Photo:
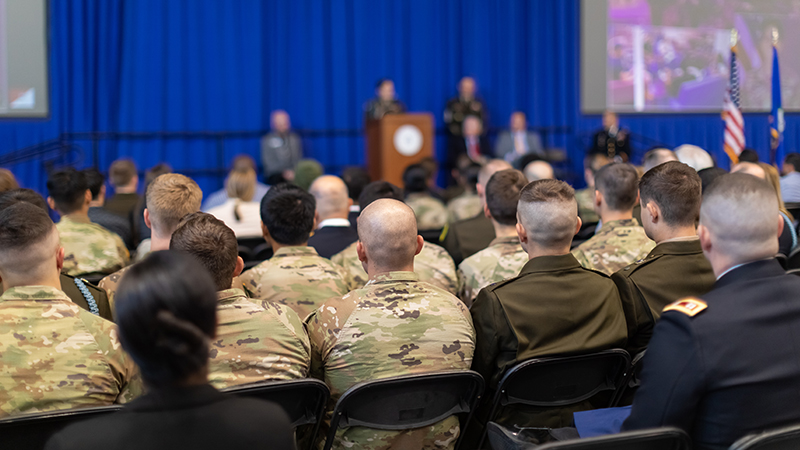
column 29, row 245
column 489, row 169
column 387, row 233
column 332, row 197
column 658, row 156
column 749, row 168
column 739, row 215
column 539, row 170
column 548, row 214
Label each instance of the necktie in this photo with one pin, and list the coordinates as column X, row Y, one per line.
column 472, row 150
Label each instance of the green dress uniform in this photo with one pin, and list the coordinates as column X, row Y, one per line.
column 87, row 296
column 466, row 237
column 671, row 271
column 554, row 307
column 376, row 108
column 457, row 109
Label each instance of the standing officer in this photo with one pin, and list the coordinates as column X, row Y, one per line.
column 385, row 101
column 463, row 105
column 612, row 140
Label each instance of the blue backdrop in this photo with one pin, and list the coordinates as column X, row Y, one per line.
column 199, row 65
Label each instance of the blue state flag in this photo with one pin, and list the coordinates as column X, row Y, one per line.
column 776, row 123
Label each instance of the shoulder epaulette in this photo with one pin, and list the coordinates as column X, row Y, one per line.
column 630, row 268
column 689, row 306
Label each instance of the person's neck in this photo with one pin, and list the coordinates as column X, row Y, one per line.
column 607, row 215
column 374, row 272
column 535, row 251
column 721, row 263
column 502, row 231
column 276, row 246
column 97, row 203
column 131, row 189
column 158, row 242
column 51, row 280
column 668, row 233
column 81, row 215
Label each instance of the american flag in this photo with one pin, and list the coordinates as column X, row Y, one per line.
column 734, row 122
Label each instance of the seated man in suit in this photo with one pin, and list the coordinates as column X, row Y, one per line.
column 395, row 325
column 670, row 197
column 473, row 143
column 518, row 141
column 724, row 364
column 554, row 307
column 621, row 240
column 333, row 231
column 433, row 265
column 253, row 342
column 89, row 247
column 54, row 355
column 469, row 236
column 504, row 256
column 296, row 275
column 167, row 321
column 99, row 214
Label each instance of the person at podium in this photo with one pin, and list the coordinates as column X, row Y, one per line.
column 612, row 140
column 385, row 101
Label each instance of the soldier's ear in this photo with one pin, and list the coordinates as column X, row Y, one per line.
column 237, row 270
column 578, row 225
column 486, row 211
column 362, row 255
column 60, row 259
column 780, row 224
column 420, row 244
column 654, row 211
column 146, row 215
column 51, row 203
column 598, row 198
column 705, row 238
column 264, row 232
column 523, row 235
column 87, row 197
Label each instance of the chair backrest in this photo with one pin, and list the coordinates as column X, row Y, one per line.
column 793, row 260
column 407, row 402
column 787, row 438
column 651, row 439
column 559, row 381
column 630, row 382
column 31, row 431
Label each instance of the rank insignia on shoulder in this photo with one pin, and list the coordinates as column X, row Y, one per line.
column 689, row 306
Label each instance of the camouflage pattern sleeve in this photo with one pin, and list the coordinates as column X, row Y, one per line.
column 323, row 327
column 122, row 366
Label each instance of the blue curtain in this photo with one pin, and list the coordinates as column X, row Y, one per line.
column 220, row 65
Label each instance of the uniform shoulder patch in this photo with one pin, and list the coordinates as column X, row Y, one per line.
column 689, row 306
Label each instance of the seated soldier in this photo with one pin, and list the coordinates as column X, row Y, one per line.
column 585, row 196
column 395, row 325
column 670, row 197
column 54, row 355
column 169, row 198
column 431, row 213
column 554, row 307
column 621, row 240
column 253, row 343
column 89, row 247
column 724, row 365
column 468, row 203
column 295, row 276
column 505, row 256
column 432, row 265
column 80, row 291
column 167, row 321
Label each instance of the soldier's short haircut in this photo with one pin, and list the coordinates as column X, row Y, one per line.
column 7, row 180
column 657, row 156
column 356, row 178
column 166, row 311
column 548, row 212
column 169, row 198
column 288, row 213
column 676, row 189
column 741, row 213
column 502, row 195
column 67, row 187
column 210, row 241
column 23, row 225
column 121, row 172
column 377, row 190
column 95, row 180
column 15, row 196
column 619, row 184
column 415, row 179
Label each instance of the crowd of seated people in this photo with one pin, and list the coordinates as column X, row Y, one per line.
column 678, row 264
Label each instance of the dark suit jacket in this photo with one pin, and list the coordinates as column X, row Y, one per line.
column 467, row 237
column 112, row 222
column 672, row 270
column 730, row 369
column 458, row 146
column 194, row 418
column 328, row 241
column 554, row 307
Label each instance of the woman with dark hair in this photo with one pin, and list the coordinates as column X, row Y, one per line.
column 166, row 314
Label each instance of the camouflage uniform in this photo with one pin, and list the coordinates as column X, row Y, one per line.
column 296, row 277
column 431, row 213
column 585, row 198
column 500, row 261
column 256, row 344
column 90, row 248
column 55, row 355
column 433, row 265
column 464, row 206
column 395, row 325
column 110, row 284
column 617, row 244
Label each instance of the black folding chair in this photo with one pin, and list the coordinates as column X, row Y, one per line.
column 793, row 260
column 31, row 431
column 787, row 438
column 303, row 400
column 650, row 439
column 407, row 402
column 630, row 381
column 560, row 381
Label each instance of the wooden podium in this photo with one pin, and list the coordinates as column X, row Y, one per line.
column 395, row 141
